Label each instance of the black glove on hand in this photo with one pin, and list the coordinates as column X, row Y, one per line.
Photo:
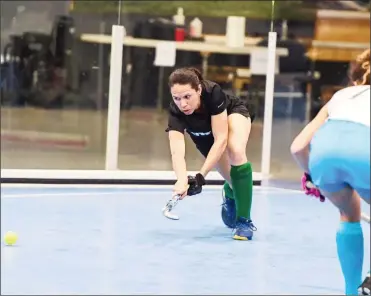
column 195, row 184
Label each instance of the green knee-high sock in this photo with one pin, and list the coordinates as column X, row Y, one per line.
column 241, row 177
column 228, row 190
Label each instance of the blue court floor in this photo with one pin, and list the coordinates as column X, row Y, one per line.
column 114, row 240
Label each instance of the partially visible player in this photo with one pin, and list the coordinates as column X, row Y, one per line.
column 334, row 152
column 219, row 125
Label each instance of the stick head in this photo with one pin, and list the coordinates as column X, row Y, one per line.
column 169, row 207
column 169, row 215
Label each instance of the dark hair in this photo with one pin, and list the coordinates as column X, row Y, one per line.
column 184, row 76
column 360, row 72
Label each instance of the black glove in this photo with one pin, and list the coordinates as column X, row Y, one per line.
column 195, row 184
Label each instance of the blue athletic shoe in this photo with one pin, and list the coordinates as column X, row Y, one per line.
column 228, row 211
column 244, row 229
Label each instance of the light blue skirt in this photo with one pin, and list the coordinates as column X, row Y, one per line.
column 340, row 157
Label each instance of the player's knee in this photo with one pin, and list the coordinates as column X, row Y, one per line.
column 237, row 154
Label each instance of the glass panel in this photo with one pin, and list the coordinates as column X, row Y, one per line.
column 143, row 142
column 54, row 83
column 320, row 52
column 291, row 99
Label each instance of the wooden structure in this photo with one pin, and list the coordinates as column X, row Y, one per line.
column 340, row 35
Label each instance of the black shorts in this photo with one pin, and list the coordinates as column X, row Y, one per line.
column 204, row 144
column 241, row 107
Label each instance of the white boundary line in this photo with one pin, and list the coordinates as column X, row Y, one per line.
column 66, row 194
column 131, row 175
column 126, row 186
column 86, row 186
column 91, row 186
column 154, row 188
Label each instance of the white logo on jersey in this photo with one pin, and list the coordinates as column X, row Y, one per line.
column 200, row 134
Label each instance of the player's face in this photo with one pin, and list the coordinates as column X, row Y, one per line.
column 186, row 98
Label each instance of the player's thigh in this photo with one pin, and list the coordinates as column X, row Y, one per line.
column 348, row 202
column 239, row 127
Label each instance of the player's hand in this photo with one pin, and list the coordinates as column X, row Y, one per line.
column 195, row 184
column 180, row 188
column 309, row 188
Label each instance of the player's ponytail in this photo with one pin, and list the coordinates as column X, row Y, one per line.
column 361, row 71
column 185, row 76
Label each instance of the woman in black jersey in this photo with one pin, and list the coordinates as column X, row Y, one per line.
column 219, row 125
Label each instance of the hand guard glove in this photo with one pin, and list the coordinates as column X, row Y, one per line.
column 195, row 184
column 309, row 188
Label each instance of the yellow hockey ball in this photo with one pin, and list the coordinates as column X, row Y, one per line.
column 10, row 238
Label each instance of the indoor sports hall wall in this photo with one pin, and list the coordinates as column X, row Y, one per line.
column 54, row 110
